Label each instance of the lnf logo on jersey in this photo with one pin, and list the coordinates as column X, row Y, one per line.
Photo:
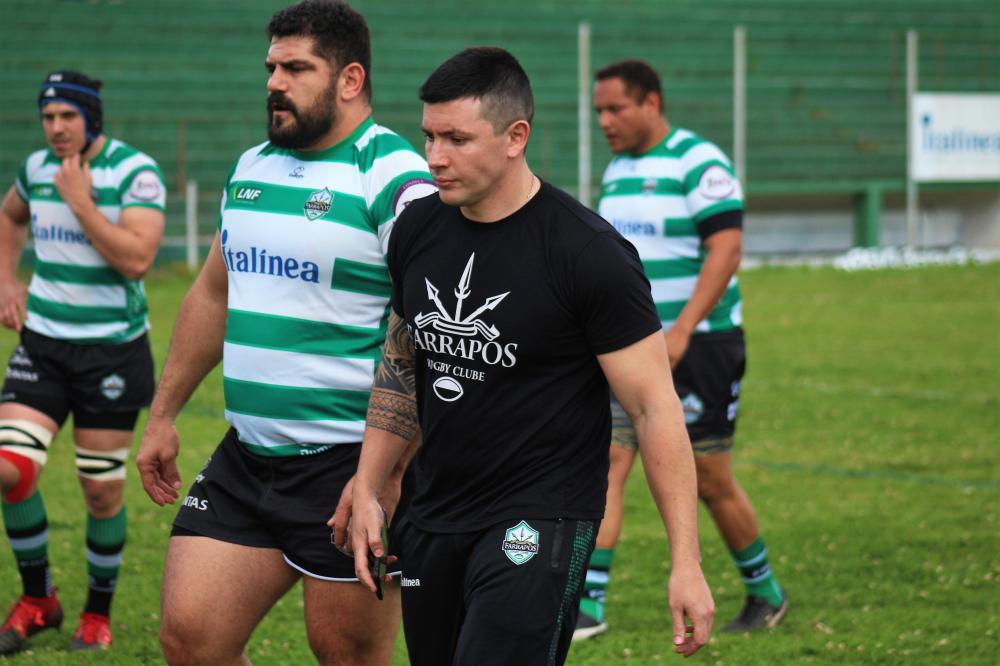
column 520, row 543
column 259, row 261
column 457, row 333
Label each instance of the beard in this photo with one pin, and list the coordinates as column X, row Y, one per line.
column 304, row 127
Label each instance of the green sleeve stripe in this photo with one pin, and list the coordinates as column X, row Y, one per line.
column 664, row 269
column 91, row 275
column 262, row 197
column 721, row 207
column 633, row 186
column 384, row 205
column 694, row 175
column 684, row 146
column 121, row 153
column 362, row 278
column 76, row 314
column 294, row 403
column 302, row 336
column 127, row 181
column 380, row 146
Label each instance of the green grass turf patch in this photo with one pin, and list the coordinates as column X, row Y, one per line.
column 866, row 441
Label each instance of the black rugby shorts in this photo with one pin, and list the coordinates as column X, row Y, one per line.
column 283, row 503
column 507, row 594
column 104, row 385
column 707, row 381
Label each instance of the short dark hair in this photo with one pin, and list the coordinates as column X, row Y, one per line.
column 340, row 34
column 638, row 75
column 489, row 74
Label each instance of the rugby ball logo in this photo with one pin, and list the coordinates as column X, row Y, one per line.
column 447, row 389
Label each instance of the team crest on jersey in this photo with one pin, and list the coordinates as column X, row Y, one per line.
column 520, row 543
column 318, row 204
column 649, row 186
column 459, row 324
column 693, row 408
column 113, row 386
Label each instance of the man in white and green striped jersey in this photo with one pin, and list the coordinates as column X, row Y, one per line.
column 294, row 299
column 95, row 209
column 675, row 196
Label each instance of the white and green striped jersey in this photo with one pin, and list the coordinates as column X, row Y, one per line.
column 657, row 200
column 304, row 237
column 74, row 294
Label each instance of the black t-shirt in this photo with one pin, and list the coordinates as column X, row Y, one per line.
column 507, row 319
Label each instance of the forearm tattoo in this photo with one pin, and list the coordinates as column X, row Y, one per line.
column 393, row 404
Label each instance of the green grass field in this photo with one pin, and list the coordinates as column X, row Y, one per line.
column 867, row 442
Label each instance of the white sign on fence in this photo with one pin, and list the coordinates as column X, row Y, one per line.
column 956, row 137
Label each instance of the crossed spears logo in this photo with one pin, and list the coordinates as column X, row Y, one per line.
column 468, row 325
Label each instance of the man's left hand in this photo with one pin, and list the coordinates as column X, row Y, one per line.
column 74, row 183
column 690, row 600
column 340, row 521
column 678, row 340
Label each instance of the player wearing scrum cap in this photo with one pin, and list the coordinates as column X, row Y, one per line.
column 95, row 205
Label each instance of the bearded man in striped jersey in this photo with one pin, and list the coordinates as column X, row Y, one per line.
column 675, row 196
column 293, row 298
column 96, row 207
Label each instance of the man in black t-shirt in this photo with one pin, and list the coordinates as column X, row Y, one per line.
column 513, row 308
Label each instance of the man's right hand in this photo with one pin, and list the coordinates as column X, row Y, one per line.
column 157, row 461
column 13, row 304
column 366, row 534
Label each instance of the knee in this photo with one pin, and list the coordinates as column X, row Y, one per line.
column 104, row 499
column 177, row 650
column 713, row 487
column 620, row 465
column 186, row 645
column 9, row 476
column 343, row 651
column 24, row 448
column 347, row 649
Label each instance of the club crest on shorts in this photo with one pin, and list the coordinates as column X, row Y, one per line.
column 113, row 386
column 520, row 543
column 318, row 204
column 693, row 408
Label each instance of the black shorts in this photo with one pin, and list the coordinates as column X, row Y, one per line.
column 283, row 503
column 707, row 380
column 104, row 385
column 468, row 600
